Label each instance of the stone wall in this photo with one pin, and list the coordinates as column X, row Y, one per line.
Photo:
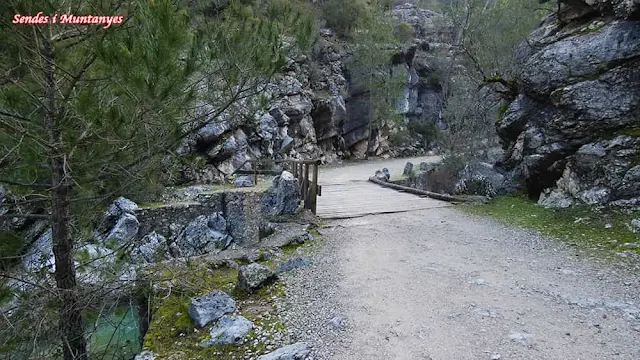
column 240, row 208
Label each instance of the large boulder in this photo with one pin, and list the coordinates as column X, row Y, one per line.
column 124, row 230
column 283, row 197
column 113, row 215
column 480, row 179
column 571, row 136
column 253, row 276
column 229, row 330
column 210, row 307
column 297, row 351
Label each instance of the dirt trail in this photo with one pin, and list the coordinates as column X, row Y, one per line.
column 440, row 284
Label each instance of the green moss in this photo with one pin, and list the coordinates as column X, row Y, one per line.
column 290, row 248
column 172, row 333
column 582, row 226
column 630, row 132
column 501, row 110
column 170, row 320
column 315, row 233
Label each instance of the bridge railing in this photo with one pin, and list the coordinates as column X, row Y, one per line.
column 306, row 171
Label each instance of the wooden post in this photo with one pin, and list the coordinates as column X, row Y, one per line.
column 255, row 175
column 305, row 186
column 314, row 188
column 298, row 176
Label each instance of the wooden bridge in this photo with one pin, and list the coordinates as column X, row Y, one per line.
column 346, row 191
column 334, row 192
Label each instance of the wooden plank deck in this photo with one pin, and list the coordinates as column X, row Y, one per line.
column 360, row 198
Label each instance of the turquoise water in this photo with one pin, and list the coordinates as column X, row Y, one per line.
column 115, row 335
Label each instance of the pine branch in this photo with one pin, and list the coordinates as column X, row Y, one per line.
column 27, row 185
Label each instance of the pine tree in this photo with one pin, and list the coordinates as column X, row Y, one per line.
column 374, row 45
column 88, row 112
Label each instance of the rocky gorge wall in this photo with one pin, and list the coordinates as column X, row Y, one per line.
column 315, row 110
column 572, row 135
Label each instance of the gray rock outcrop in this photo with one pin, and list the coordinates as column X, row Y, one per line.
column 203, row 235
column 572, row 135
column 480, row 179
column 151, row 248
column 210, row 307
column 315, row 109
column 125, row 229
column 39, row 254
column 114, row 214
column 253, row 276
column 297, row 351
column 283, row 197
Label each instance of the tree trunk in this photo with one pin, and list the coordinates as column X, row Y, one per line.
column 71, row 327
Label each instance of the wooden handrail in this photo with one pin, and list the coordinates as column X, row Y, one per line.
column 309, row 188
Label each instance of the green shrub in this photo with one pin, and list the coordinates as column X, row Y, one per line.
column 425, row 129
column 342, row 16
column 10, row 246
column 404, row 32
column 400, row 138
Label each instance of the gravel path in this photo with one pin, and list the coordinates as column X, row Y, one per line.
column 441, row 284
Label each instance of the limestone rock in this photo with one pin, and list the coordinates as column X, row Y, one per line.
column 110, row 217
column 229, row 330
column 40, row 253
column 210, row 307
column 570, row 137
column 635, row 226
column 203, row 235
column 151, row 248
column 268, row 127
column 243, row 181
column 146, row 355
column 380, row 176
column 480, row 179
column 294, row 263
column 408, row 168
column 251, row 277
column 297, row 351
column 124, row 230
column 283, row 196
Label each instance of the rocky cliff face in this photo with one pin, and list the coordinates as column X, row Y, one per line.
column 573, row 133
column 315, row 111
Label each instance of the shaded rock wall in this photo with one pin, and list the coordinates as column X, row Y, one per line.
column 572, row 135
column 315, row 111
